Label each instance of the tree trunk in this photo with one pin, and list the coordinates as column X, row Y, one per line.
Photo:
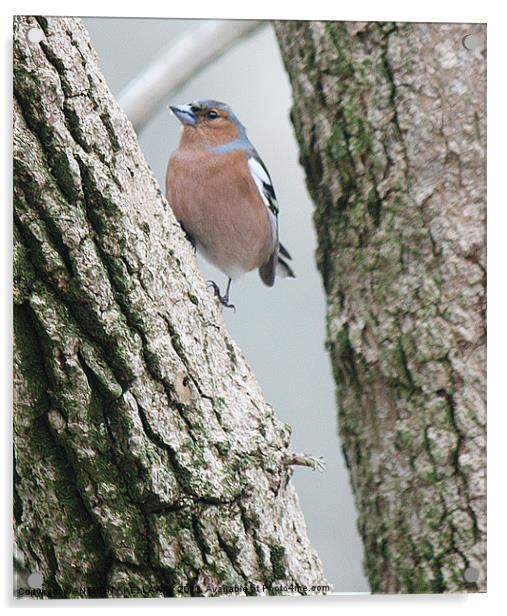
column 146, row 460
column 390, row 120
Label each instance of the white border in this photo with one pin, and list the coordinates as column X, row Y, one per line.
column 430, row 10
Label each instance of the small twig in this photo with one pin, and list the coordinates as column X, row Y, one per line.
column 303, row 459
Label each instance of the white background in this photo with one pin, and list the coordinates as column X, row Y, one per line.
column 428, row 11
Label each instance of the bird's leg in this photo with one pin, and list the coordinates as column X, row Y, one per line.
column 224, row 299
column 226, row 296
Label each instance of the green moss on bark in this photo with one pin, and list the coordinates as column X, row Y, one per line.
column 374, row 126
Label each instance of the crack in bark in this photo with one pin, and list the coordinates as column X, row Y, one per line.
column 42, row 423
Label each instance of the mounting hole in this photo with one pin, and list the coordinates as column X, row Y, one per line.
column 472, row 41
column 35, row 35
column 471, row 575
column 35, row 580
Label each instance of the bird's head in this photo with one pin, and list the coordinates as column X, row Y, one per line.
column 211, row 119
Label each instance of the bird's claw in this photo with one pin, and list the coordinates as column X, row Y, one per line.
column 190, row 239
column 223, row 299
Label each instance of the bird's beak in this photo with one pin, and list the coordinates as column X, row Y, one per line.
column 184, row 114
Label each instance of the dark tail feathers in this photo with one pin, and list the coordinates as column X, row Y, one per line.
column 276, row 266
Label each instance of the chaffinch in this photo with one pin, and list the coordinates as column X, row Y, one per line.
column 222, row 195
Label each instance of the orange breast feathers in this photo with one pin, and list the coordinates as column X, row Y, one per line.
column 218, row 203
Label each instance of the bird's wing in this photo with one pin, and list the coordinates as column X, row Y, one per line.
column 261, row 178
column 264, row 185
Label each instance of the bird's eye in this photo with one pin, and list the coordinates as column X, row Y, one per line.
column 212, row 114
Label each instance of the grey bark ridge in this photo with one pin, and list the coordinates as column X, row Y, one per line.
column 390, row 120
column 146, row 458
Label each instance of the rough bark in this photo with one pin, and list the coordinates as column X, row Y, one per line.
column 147, row 461
column 390, row 120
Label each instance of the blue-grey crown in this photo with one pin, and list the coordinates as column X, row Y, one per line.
column 211, row 103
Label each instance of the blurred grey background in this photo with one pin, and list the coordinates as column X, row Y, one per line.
column 280, row 330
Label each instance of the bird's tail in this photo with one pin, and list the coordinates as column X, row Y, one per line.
column 276, row 266
column 283, row 269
